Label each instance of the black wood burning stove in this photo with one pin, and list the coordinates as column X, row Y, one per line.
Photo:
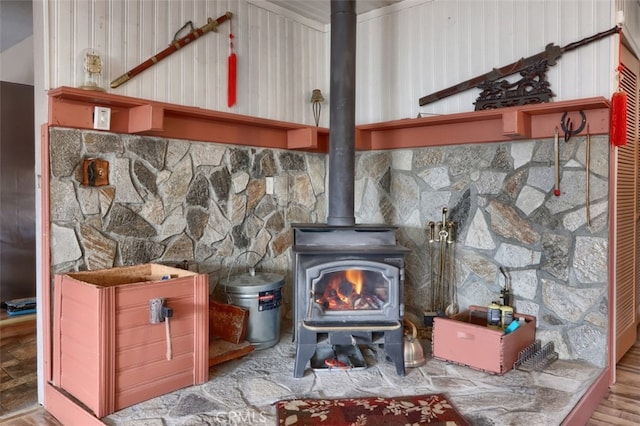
column 348, row 290
column 348, row 278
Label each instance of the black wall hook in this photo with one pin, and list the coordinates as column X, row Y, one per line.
column 567, row 125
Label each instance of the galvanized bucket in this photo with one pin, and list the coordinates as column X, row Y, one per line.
column 261, row 294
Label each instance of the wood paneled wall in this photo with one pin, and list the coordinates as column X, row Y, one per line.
column 426, row 46
column 280, row 61
column 405, row 51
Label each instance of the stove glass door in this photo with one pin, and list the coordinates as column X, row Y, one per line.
column 343, row 289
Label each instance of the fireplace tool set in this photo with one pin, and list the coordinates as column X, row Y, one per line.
column 443, row 301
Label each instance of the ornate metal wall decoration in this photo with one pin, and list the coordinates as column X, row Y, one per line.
column 532, row 88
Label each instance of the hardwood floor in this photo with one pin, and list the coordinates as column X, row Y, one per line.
column 18, row 378
column 18, row 388
column 622, row 404
column 36, row 416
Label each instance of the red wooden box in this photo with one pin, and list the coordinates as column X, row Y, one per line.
column 466, row 339
column 106, row 352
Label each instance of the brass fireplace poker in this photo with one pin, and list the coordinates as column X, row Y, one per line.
column 443, row 300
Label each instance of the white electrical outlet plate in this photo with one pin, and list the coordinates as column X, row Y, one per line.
column 101, row 118
column 269, row 185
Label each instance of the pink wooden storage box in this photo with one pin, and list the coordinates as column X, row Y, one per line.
column 107, row 354
column 466, row 339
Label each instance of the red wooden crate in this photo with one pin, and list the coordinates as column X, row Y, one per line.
column 108, row 355
column 466, row 339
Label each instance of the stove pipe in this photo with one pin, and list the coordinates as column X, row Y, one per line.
column 342, row 120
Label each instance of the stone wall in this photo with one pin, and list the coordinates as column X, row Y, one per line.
column 173, row 200
column 501, row 198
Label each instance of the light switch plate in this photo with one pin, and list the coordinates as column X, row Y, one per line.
column 269, row 185
column 101, row 118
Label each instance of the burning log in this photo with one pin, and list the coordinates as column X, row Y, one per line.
column 368, row 301
column 346, row 291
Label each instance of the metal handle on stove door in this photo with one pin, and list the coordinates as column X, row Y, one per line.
column 313, row 305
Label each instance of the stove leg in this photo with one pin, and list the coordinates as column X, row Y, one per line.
column 394, row 348
column 305, row 349
column 303, row 355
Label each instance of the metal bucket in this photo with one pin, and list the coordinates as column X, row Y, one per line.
column 261, row 294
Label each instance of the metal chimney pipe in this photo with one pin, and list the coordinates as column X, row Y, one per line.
column 342, row 120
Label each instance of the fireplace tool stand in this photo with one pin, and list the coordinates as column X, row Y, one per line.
column 443, row 301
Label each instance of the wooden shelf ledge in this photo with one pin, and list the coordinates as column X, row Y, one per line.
column 498, row 125
column 71, row 107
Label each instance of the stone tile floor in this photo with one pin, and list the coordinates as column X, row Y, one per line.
column 243, row 391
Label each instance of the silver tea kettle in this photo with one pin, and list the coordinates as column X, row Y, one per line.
column 413, row 352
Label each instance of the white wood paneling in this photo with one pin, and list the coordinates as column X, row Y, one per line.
column 455, row 40
column 404, row 51
column 631, row 15
column 280, row 61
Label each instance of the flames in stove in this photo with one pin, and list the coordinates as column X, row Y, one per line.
column 351, row 289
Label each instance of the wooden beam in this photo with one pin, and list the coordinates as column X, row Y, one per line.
column 516, row 124
column 71, row 107
column 307, row 137
column 501, row 125
column 145, row 118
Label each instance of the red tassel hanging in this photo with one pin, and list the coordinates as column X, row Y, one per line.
column 231, row 96
column 231, row 92
column 618, row 124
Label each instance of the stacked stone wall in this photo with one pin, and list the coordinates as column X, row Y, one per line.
column 172, row 200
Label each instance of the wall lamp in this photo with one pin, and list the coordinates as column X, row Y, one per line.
column 316, row 104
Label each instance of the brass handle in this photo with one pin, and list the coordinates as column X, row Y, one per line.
column 414, row 330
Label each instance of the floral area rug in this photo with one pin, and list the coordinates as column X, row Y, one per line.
column 433, row 409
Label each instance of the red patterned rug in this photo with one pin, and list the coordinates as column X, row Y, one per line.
column 433, row 409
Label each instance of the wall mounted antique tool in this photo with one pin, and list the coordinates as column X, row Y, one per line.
column 567, row 125
column 212, row 25
column 587, row 167
column 556, row 159
column 532, row 88
column 159, row 312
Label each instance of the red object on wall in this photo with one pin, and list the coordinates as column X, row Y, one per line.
column 231, row 88
column 231, row 96
column 618, row 129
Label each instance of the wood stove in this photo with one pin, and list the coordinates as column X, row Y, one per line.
column 348, row 278
column 348, row 290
